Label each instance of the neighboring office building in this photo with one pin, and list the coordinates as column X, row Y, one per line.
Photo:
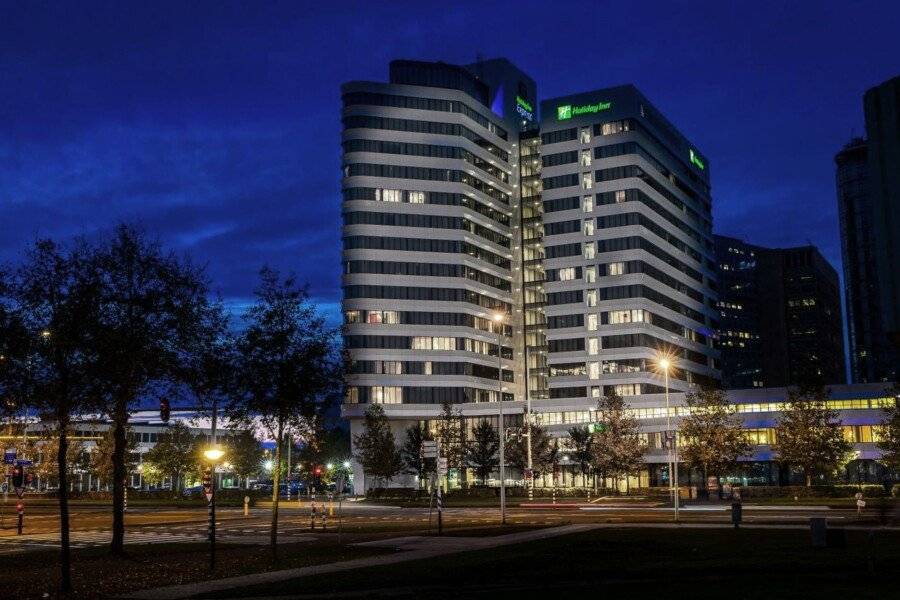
column 144, row 428
column 868, row 190
column 739, row 337
column 781, row 316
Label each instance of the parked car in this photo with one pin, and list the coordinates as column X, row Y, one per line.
column 191, row 492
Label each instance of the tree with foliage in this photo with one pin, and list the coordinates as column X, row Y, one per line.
column 889, row 434
column 481, row 454
column 809, row 435
column 712, row 434
column 375, row 447
column 102, row 455
column 411, row 451
column 582, row 440
column 48, row 353
column 618, row 450
column 244, row 453
column 176, row 455
column 541, row 450
column 450, row 433
column 47, row 448
column 151, row 313
column 287, row 368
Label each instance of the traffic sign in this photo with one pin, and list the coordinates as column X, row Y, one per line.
column 24, row 463
column 208, row 496
column 529, row 474
column 9, row 456
column 442, row 466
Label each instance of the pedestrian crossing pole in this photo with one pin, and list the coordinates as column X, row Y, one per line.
column 440, row 509
column 312, row 514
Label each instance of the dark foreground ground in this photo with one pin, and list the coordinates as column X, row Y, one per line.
column 631, row 563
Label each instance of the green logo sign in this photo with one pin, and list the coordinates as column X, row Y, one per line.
column 596, row 427
column 524, row 103
column 696, row 160
column 567, row 111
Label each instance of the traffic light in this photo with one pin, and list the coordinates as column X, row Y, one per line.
column 207, row 477
column 164, row 410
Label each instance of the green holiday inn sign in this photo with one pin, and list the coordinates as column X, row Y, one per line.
column 696, row 160
column 567, row 111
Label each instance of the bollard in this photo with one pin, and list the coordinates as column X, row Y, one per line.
column 818, row 528
column 324, row 519
column 330, row 505
column 736, row 514
column 554, row 495
column 312, row 516
column 20, row 510
column 246, row 506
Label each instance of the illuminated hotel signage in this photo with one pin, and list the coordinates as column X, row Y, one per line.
column 696, row 160
column 524, row 108
column 567, row 111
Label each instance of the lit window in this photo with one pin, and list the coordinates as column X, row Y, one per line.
column 587, row 204
column 443, row 343
column 592, row 322
column 594, row 370
column 593, row 346
column 387, row 395
column 567, row 274
column 351, row 395
column 585, row 135
column 589, row 227
column 390, row 196
column 352, row 316
column 420, row 343
column 587, row 181
column 620, row 196
column 590, row 297
column 417, row 197
column 392, row 367
column 374, row 317
column 391, row 317
column 590, row 251
column 590, row 274
column 585, row 158
column 628, row 389
column 616, row 268
column 595, row 391
column 427, row 367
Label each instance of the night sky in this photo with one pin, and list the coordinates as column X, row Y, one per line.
column 218, row 129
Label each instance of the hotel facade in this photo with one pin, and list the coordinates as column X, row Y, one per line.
column 546, row 258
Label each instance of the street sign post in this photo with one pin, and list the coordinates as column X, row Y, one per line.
column 429, row 449
column 9, row 456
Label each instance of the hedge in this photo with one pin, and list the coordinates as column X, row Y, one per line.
column 815, row 491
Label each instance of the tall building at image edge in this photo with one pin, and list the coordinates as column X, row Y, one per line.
column 590, row 235
column 868, row 191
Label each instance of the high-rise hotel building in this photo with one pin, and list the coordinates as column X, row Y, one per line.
column 629, row 255
column 589, row 233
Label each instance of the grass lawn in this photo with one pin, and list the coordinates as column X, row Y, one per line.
column 96, row 574
column 633, row 563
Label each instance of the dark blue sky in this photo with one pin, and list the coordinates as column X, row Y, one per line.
column 218, row 128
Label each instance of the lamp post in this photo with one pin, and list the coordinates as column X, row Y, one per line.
column 665, row 364
column 213, row 455
column 498, row 323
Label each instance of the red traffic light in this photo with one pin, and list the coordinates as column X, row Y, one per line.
column 318, row 471
column 20, row 508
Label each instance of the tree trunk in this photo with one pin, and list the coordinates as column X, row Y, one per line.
column 65, row 558
column 276, row 484
column 808, row 478
column 120, row 423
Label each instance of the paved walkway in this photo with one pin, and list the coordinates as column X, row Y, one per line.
column 416, row 548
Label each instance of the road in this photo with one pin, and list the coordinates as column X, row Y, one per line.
column 90, row 525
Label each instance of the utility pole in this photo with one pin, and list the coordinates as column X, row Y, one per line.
column 665, row 365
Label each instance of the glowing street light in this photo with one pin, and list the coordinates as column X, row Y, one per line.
column 665, row 364
column 346, row 464
column 268, row 465
column 213, row 454
column 329, row 466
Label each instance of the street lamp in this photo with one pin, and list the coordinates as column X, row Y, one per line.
column 498, row 323
column 665, row 363
column 346, row 464
column 329, row 466
column 213, row 454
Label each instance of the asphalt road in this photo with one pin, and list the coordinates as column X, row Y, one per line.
column 90, row 525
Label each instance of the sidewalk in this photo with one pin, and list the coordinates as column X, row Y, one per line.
column 412, row 548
